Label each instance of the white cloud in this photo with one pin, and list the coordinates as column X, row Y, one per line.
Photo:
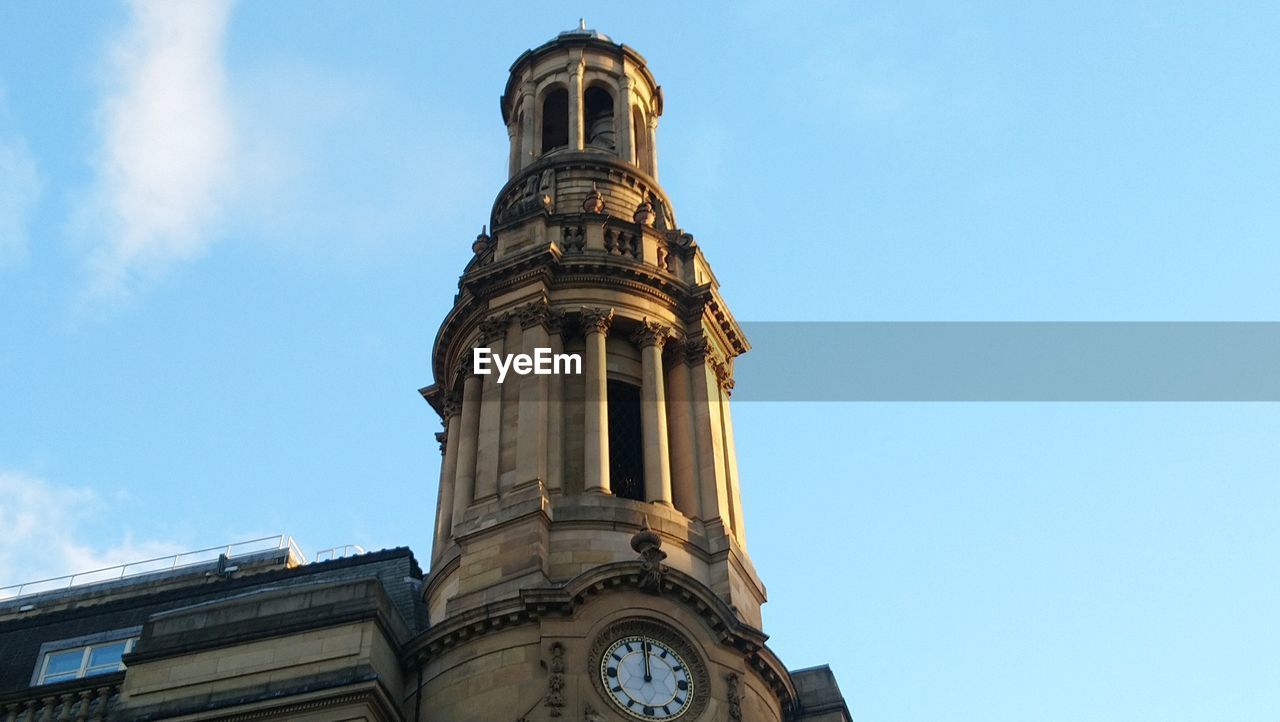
column 20, row 187
column 167, row 157
column 45, row 528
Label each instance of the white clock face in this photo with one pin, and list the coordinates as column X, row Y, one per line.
column 646, row 678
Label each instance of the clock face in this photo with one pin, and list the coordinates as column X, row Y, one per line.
column 646, row 678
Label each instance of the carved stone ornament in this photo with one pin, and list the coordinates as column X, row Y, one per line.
column 537, row 192
column 589, row 714
column 644, row 214
column 555, row 320
column 493, row 328
column 650, row 333
column 648, row 545
column 451, row 406
column 735, row 699
column 441, row 437
column 465, row 367
column 699, row 679
column 594, row 202
column 533, row 314
column 555, row 681
column 698, row 351
column 597, row 319
column 481, row 243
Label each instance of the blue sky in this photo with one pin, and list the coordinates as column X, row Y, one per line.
column 229, row 231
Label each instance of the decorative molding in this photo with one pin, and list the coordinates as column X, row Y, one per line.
column 555, row 320
column 555, row 682
column 535, row 313
column 493, row 328
column 650, row 333
column 451, row 405
column 648, row 545
column 465, row 367
column 596, row 319
column 698, row 350
column 735, row 702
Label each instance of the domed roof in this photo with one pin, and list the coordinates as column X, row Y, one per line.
column 583, row 32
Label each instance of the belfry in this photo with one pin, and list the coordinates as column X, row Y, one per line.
column 590, row 557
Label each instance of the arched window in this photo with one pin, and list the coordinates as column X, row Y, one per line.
column 626, row 446
column 555, row 120
column 598, row 113
column 640, row 139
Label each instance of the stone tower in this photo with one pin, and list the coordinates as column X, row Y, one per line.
column 589, row 556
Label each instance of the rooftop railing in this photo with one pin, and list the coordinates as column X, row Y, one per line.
column 159, row 564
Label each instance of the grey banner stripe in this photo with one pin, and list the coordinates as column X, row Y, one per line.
column 1014, row 361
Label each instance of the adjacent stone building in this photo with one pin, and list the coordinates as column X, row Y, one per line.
column 589, row 554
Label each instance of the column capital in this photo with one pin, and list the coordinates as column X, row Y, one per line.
column 699, row 351
column 650, row 333
column 597, row 319
column 465, row 366
column 535, row 313
column 493, row 328
column 451, row 405
column 555, row 320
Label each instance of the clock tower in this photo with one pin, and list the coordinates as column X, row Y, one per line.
column 590, row 558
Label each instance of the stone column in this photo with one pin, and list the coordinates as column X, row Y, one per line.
column 622, row 122
column 734, row 483
column 464, row 484
column 531, row 420
column 555, row 408
column 650, row 337
column 513, row 137
column 448, row 473
column 489, row 447
column 708, row 433
column 595, row 325
column 577, row 134
column 652, row 145
column 528, row 126
column 684, row 470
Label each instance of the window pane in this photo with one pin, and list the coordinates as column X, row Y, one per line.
column 106, row 656
column 63, row 662
column 50, row 679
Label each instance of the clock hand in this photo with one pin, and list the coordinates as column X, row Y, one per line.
column 644, row 649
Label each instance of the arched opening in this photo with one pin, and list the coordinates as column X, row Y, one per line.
column 555, row 120
column 640, row 139
column 626, row 445
column 598, row 114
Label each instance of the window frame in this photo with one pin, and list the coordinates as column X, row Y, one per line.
column 85, row 644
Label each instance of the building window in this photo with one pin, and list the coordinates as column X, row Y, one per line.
column 626, row 446
column 555, row 120
column 598, row 111
column 84, row 657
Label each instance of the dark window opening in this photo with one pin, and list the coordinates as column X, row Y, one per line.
column 626, row 445
column 555, row 120
column 598, row 111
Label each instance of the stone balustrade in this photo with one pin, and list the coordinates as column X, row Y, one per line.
column 87, row 700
